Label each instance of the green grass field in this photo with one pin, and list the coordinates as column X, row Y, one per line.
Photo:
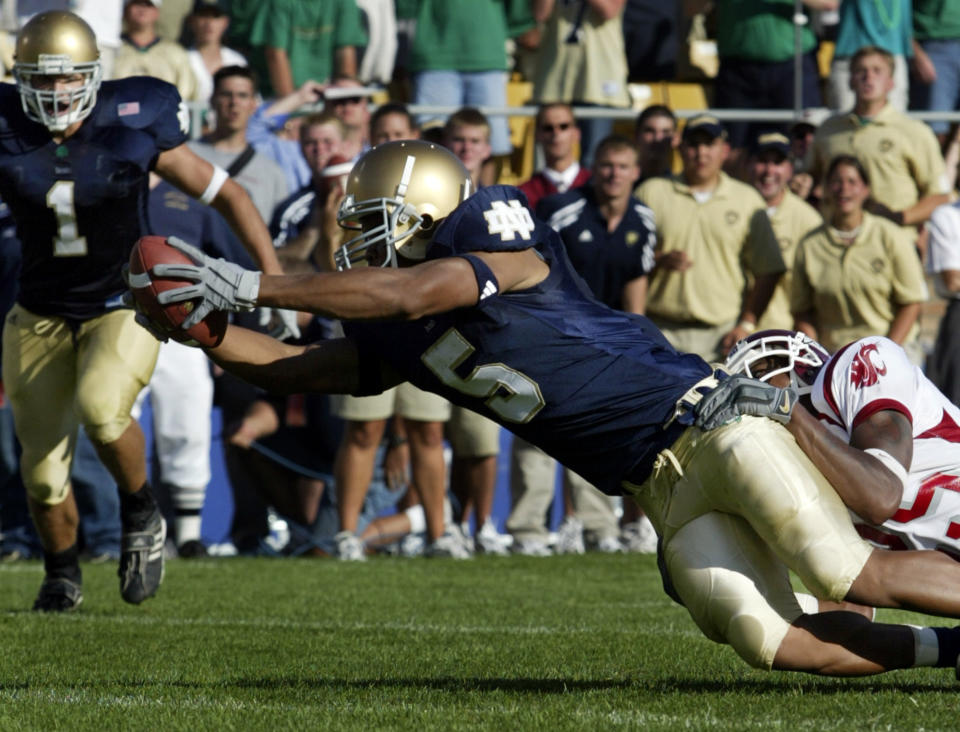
column 584, row 643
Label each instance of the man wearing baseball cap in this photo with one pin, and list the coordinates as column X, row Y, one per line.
column 712, row 231
column 770, row 169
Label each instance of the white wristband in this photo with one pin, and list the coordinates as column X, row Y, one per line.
column 248, row 289
column 217, row 180
column 889, row 462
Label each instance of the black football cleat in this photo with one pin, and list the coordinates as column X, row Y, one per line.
column 191, row 549
column 58, row 595
column 141, row 560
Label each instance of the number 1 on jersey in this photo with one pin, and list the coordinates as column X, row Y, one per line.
column 67, row 242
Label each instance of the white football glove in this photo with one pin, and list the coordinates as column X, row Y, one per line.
column 221, row 285
column 283, row 323
column 737, row 395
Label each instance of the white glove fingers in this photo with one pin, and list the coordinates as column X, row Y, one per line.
column 179, row 294
column 188, row 249
column 178, row 271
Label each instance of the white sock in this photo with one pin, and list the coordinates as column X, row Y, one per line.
column 187, row 528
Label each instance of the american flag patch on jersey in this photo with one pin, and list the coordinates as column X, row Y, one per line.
column 128, row 108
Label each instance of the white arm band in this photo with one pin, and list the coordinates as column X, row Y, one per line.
column 217, row 180
column 890, row 463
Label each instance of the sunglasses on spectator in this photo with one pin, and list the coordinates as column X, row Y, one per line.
column 562, row 127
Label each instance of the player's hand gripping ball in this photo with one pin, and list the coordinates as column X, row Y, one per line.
column 146, row 287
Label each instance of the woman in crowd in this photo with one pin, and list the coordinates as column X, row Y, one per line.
column 856, row 275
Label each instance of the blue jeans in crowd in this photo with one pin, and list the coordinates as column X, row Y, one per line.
column 467, row 89
column 943, row 95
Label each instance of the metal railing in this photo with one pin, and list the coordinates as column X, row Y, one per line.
column 198, row 109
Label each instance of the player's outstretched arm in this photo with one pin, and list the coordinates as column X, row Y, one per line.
column 870, row 484
column 369, row 293
column 192, row 174
column 330, row 367
column 407, row 293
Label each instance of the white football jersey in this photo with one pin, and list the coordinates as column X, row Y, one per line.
column 874, row 374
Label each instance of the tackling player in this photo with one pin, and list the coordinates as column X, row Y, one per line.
column 880, row 431
column 486, row 310
column 74, row 159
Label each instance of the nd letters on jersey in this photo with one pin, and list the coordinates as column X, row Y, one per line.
column 81, row 204
column 590, row 385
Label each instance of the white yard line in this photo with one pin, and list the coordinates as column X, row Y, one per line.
column 407, row 627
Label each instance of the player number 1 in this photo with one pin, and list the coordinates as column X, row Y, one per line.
column 67, row 242
column 512, row 395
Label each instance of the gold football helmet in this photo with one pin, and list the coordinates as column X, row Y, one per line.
column 53, row 44
column 397, row 195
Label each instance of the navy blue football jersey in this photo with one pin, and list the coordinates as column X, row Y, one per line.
column 607, row 260
column 80, row 205
column 174, row 213
column 590, row 385
column 292, row 215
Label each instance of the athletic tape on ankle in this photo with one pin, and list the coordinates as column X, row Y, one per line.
column 418, row 521
column 926, row 646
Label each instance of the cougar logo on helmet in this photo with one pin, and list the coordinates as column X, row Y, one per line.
column 397, row 194
column 51, row 48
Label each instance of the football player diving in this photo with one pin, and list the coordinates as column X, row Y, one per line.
column 75, row 153
column 876, row 426
column 469, row 296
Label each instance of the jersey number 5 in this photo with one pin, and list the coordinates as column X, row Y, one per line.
column 508, row 393
column 67, row 242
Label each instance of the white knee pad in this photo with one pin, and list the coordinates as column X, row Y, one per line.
column 734, row 588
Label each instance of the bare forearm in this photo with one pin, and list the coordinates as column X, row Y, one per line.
column 863, row 484
column 634, row 298
column 300, row 248
column 233, row 203
column 280, row 368
column 759, row 296
column 607, row 9
column 922, row 209
column 903, row 321
column 346, row 61
column 542, row 9
column 375, row 293
column 804, row 322
column 951, row 279
column 278, row 65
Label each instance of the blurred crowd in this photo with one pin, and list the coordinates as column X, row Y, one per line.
column 835, row 223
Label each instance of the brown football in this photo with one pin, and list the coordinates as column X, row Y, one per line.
column 148, row 252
